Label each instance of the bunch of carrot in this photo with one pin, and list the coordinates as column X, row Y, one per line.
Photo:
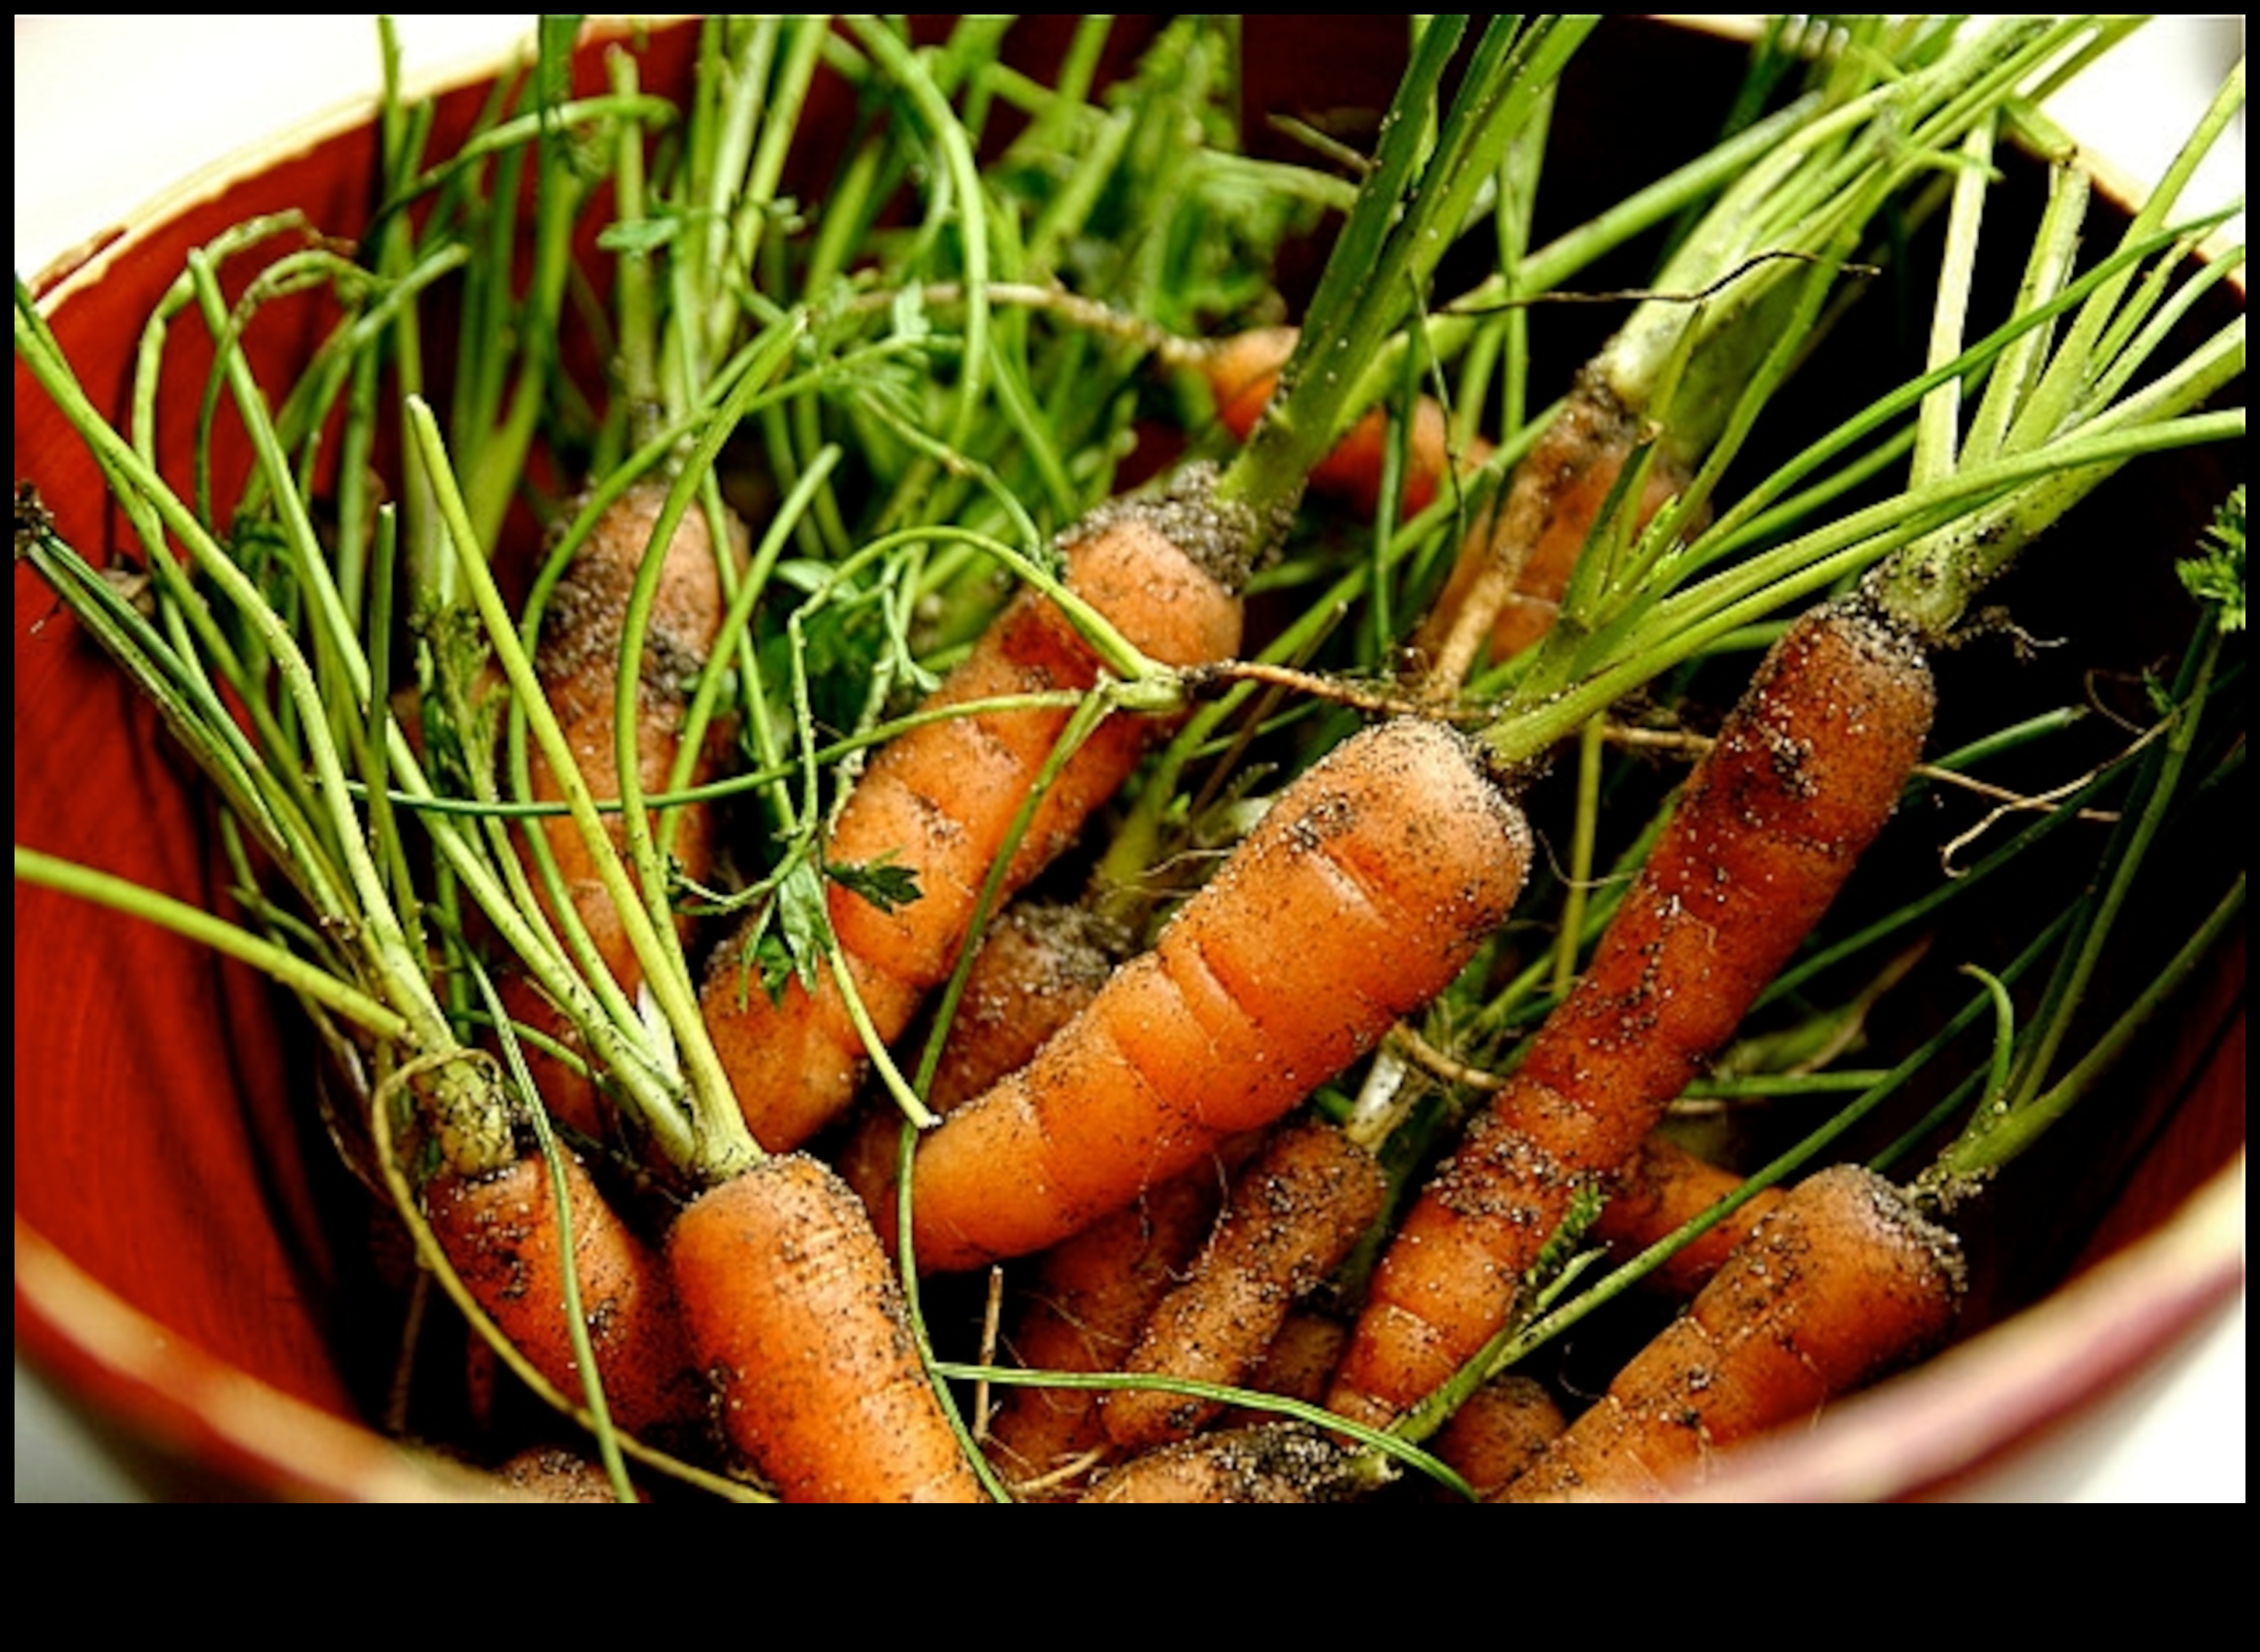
column 1150, row 1147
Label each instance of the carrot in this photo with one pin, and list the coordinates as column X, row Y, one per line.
column 499, row 1229
column 1506, row 585
column 1038, row 965
column 1498, row 1432
column 576, row 662
column 556, row 1474
column 1242, row 372
column 1273, row 1462
column 1663, row 1187
column 1842, row 1283
column 1803, row 777
column 787, row 1303
column 940, row 799
column 1366, row 887
column 1298, row 1364
column 793, row 1311
column 1297, row 1208
column 1089, row 1296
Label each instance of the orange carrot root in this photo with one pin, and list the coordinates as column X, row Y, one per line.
column 1499, row 1431
column 1275, row 1463
column 1366, row 887
column 500, row 1232
column 940, row 799
column 1841, row 1284
column 795, row 1313
column 1664, row 1188
column 1295, row 1213
column 1803, row 777
column 1508, row 584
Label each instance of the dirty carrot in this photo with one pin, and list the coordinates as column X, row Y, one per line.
column 1295, row 1211
column 500, row 1229
column 772, row 1260
column 1803, row 777
column 1499, row 1431
column 1506, row 586
column 794, row 1311
column 1081, row 1311
column 939, row 800
column 1663, row 1187
column 1368, row 885
column 1842, row 1282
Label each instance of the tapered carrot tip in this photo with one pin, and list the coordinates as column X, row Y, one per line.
column 794, row 1312
column 500, row 1232
column 1275, row 1463
column 1841, row 1284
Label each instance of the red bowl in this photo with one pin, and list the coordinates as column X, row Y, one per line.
column 190, row 1269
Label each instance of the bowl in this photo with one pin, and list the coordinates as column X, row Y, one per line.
column 193, row 1281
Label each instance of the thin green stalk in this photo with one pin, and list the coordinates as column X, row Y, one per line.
column 1590, row 746
column 2132, row 841
column 378, row 928
column 2025, row 1123
column 908, row 72
column 83, row 882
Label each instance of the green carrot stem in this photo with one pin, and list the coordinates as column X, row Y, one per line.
column 1407, row 214
column 2024, row 1124
column 904, row 68
column 1685, row 625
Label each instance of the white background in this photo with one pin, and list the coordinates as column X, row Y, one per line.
column 108, row 110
